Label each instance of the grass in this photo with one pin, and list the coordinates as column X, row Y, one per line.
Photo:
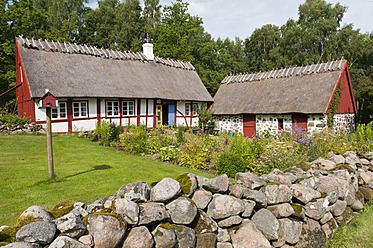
column 85, row 171
column 357, row 234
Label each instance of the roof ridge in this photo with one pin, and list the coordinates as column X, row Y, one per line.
column 286, row 72
column 84, row 49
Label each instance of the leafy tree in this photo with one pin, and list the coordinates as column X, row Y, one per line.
column 152, row 16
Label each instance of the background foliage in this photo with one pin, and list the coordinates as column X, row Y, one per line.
column 316, row 36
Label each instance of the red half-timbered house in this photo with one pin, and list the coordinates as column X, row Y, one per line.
column 296, row 98
column 94, row 84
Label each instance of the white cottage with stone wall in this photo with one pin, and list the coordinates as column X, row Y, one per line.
column 297, row 99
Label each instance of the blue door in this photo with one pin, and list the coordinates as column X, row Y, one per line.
column 171, row 115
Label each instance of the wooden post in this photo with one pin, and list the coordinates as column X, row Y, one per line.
column 49, row 143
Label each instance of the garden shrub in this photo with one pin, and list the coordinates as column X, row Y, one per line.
column 9, row 118
column 169, row 153
column 194, row 155
column 230, row 164
column 107, row 133
column 134, row 139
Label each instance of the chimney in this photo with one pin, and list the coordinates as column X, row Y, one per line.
column 148, row 50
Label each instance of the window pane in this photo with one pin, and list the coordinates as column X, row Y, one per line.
column 54, row 113
column 187, row 109
column 195, row 107
column 76, row 109
column 116, row 108
column 125, row 112
column 130, row 108
column 83, row 109
column 62, row 110
column 109, row 108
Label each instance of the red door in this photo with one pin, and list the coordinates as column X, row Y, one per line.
column 299, row 123
column 249, row 125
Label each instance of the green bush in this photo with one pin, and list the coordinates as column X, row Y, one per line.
column 107, row 133
column 11, row 118
column 169, row 153
column 134, row 139
column 230, row 164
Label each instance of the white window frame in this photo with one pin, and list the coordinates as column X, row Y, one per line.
column 110, row 107
column 195, row 109
column 61, row 111
column 81, row 106
column 127, row 104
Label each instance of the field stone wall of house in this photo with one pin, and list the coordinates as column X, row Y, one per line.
column 229, row 123
column 301, row 207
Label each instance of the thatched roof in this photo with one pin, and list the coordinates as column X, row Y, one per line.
column 70, row 70
column 301, row 89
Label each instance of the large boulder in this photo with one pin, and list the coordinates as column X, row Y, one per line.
column 277, row 193
column 205, row 240
column 127, row 209
column 182, row 210
column 186, row 236
column 223, row 206
column 304, row 194
column 338, row 208
column 223, row 235
column 165, row 236
column 107, row 231
column 316, row 209
column 290, row 230
column 64, row 241
column 311, row 229
column 351, row 158
column 41, row 232
column 203, row 223
column 152, row 212
column 137, row 192
column 165, row 190
column 281, row 210
column 230, row 221
column 188, row 183
column 71, row 225
column 325, row 164
column 139, row 237
column 247, row 235
column 202, row 198
column 258, row 197
column 249, row 207
column 218, row 184
column 250, row 180
column 38, row 212
column 338, row 159
column 21, row 245
column 267, row 223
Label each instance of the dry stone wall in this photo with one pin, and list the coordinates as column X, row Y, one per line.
column 300, row 207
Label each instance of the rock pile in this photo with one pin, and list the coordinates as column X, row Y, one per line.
column 12, row 129
column 301, row 207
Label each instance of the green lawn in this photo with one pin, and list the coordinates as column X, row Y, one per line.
column 85, row 172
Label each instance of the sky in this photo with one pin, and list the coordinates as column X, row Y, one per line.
column 223, row 18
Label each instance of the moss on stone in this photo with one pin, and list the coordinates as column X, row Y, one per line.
column 4, row 243
column 185, row 183
column 343, row 167
column 272, row 183
column 347, row 215
column 178, row 228
column 297, row 207
column 107, row 212
column 166, row 226
column 303, row 165
column 323, row 194
column 367, row 193
column 8, row 234
column 291, row 169
column 62, row 208
column 24, row 220
column 301, row 179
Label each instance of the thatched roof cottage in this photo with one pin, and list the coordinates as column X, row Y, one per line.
column 299, row 98
column 94, row 84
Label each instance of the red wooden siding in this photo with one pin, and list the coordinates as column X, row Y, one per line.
column 26, row 105
column 249, row 125
column 347, row 102
column 299, row 122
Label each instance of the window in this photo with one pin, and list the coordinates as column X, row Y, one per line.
column 112, row 108
column 280, row 124
column 187, row 109
column 195, row 108
column 128, row 108
column 60, row 112
column 79, row 109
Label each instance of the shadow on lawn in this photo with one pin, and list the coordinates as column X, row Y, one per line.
column 56, row 179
